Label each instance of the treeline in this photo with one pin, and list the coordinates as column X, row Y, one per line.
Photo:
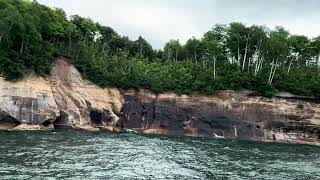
column 233, row 56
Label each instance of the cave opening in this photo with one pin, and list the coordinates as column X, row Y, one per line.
column 62, row 121
column 46, row 123
column 96, row 117
column 8, row 122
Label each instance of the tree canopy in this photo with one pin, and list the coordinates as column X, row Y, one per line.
column 233, row 56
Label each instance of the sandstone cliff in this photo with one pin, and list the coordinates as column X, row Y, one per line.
column 65, row 100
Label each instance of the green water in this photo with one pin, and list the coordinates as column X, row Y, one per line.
column 85, row 155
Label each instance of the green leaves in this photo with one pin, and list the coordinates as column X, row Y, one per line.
column 233, row 56
column 22, row 39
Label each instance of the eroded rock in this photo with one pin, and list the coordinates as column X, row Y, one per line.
column 228, row 114
column 83, row 103
column 29, row 101
column 65, row 100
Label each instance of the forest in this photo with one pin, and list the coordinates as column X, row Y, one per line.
column 234, row 56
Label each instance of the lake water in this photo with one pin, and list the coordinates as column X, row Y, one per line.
column 87, row 155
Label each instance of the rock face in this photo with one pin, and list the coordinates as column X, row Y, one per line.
column 81, row 103
column 228, row 114
column 65, row 100
column 29, row 102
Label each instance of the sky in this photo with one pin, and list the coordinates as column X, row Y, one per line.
column 158, row 21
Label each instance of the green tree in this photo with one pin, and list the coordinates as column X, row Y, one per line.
column 193, row 49
column 173, row 50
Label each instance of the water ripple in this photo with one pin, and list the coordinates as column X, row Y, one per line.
column 85, row 155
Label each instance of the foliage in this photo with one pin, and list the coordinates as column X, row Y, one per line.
column 233, row 56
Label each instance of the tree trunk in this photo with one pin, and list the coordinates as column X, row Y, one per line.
column 26, row 47
column 239, row 54
column 259, row 59
column 256, row 68
column 261, row 64
column 245, row 54
column 214, row 67
column 271, row 71
column 289, row 68
column 195, row 57
column 21, row 49
column 257, row 64
column 291, row 62
column 274, row 72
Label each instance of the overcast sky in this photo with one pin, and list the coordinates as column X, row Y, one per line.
column 161, row 20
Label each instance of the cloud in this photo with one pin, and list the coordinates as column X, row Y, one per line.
column 161, row 20
column 154, row 20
